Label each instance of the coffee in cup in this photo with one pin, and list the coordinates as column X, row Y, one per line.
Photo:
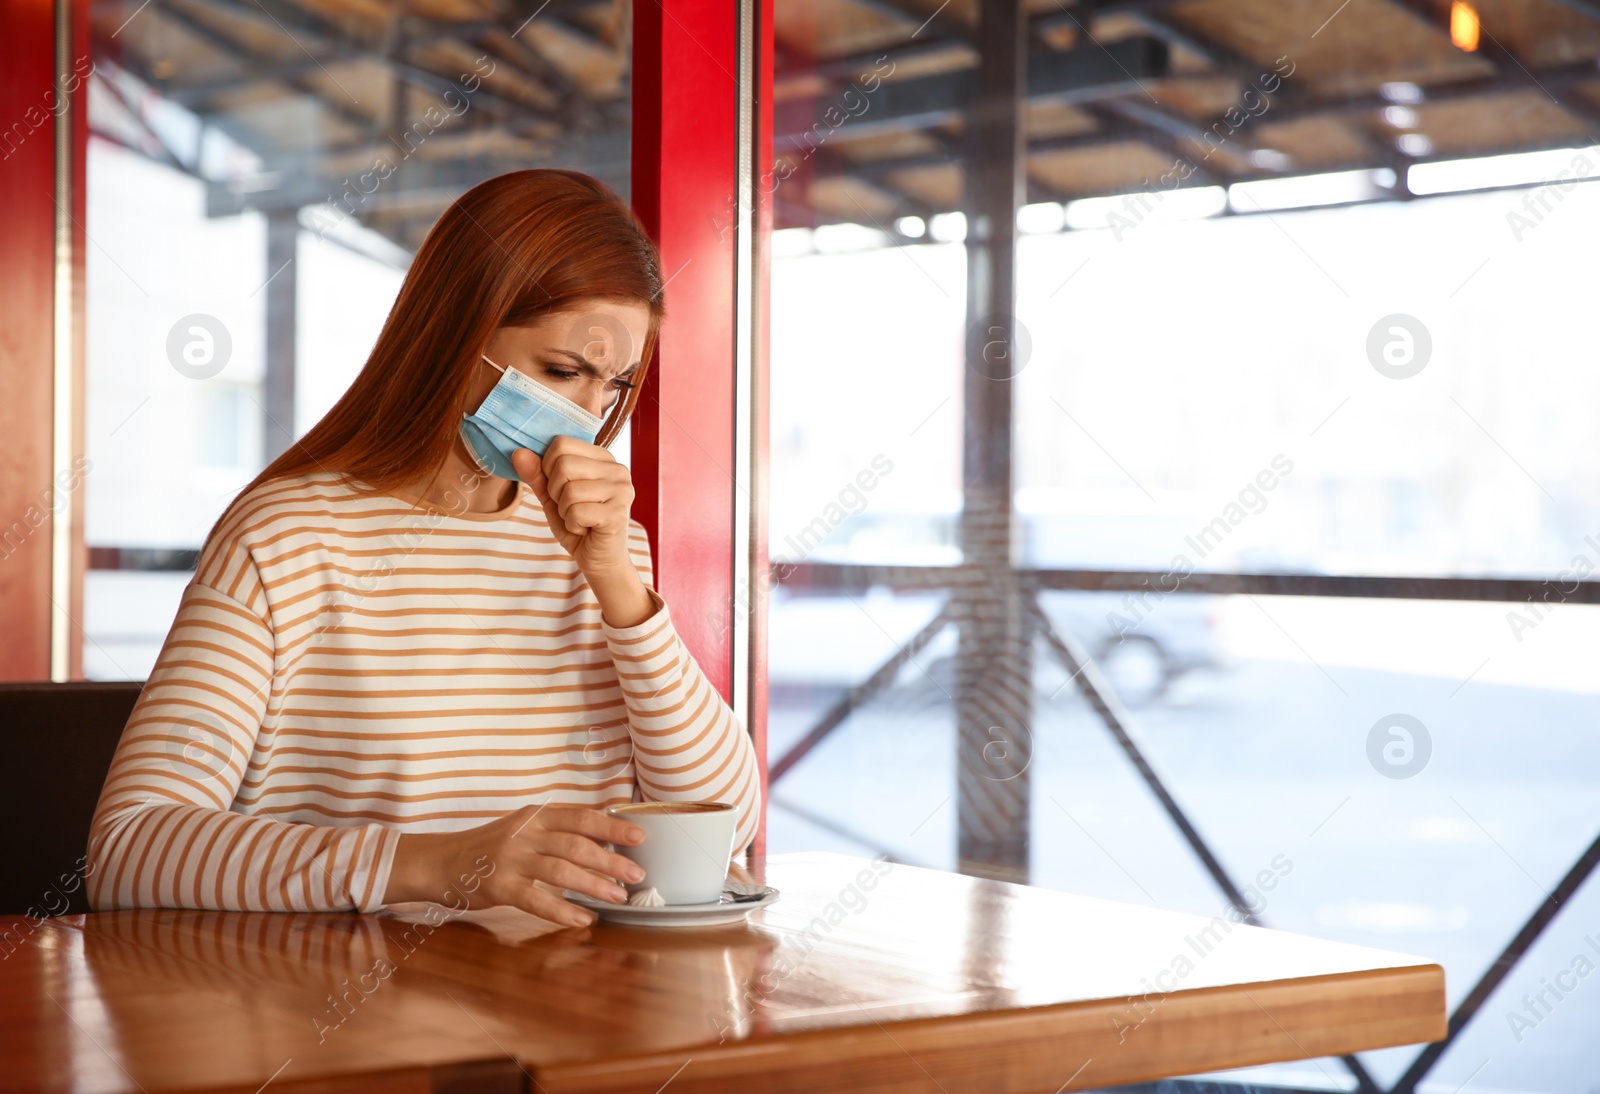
column 686, row 847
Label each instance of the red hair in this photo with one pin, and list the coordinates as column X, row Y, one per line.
column 504, row 254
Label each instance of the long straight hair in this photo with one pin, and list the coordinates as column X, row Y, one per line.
column 504, row 254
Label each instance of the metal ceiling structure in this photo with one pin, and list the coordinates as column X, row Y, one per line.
column 872, row 97
column 384, row 113
column 1121, row 91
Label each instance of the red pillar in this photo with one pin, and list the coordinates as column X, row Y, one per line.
column 685, row 187
column 31, row 99
column 684, row 152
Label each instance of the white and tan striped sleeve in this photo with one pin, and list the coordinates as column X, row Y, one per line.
column 164, row 834
column 687, row 744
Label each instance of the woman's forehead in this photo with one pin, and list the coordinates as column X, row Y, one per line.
column 597, row 344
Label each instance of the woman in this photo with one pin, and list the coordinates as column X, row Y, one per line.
column 399, row 672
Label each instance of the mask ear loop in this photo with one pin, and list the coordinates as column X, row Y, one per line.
column 624, row 408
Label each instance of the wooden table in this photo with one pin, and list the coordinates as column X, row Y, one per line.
column 866, row 975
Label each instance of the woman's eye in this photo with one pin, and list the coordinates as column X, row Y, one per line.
column 560, row 373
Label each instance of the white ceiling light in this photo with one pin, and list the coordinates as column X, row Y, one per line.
column 948, row 227
column 1516, row 169
column 915, row 227
column 1041, row 218
column 1414, row 144
column 1126, row 211
column 1334, row 188
column 1400, row 117
column 837, row 238
column 1407, row 93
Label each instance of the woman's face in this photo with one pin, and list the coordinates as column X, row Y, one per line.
column 587, row 353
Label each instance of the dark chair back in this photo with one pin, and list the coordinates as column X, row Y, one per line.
column 56, row 743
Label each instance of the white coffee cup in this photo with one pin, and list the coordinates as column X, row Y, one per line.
column 686, row 847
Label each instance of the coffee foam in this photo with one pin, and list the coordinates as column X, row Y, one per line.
column 647, row 809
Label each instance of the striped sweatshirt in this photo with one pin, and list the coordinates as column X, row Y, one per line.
column 344, row 668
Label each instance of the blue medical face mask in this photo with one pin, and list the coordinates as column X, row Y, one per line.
column 520, row 412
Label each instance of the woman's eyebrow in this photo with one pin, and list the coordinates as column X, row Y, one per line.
column 584, row 366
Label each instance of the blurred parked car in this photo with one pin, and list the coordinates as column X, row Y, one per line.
column 1141, row 655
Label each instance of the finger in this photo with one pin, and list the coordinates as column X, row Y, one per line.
column 589, row 855
column 581, row 490
column 552, row 516
column 603, row 465
column 529, row 471
column 564, row 874
column 541, row 492
column 536, row 901
column 593, row 498
column 587, row 493
column 570, row 492
column 618, row 496
column 526, row 464
column 564, row 468
column 565, row 445
column 594, row 824
column 591, row 515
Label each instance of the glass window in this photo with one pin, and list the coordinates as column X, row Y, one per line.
column 258, row 179
column 1116, row 499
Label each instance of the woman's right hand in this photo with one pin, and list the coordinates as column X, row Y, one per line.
column 501, row 860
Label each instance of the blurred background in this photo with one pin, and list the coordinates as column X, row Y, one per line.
column 1202, row 540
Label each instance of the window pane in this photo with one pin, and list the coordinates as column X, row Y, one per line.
column 1262, row 405
column 258, row 180
column 1295, row 292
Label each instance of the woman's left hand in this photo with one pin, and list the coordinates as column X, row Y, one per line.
column 587, row 497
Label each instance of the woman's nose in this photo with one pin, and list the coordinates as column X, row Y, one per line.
column 597, row 399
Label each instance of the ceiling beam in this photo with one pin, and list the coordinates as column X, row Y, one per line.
column 333, row 49
column 1189, row 137
column 306, row 181
column 1554, row 76
column 1117, row 128
column 1076, row 75
column 201, row 93
column 1588, row 8
column 942, row 34
column 1258, row 175
column 842, row 70
column 233, row 49
column 918, row 17
column 1174, row 134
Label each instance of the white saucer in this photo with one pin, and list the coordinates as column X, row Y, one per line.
column 726, row 910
